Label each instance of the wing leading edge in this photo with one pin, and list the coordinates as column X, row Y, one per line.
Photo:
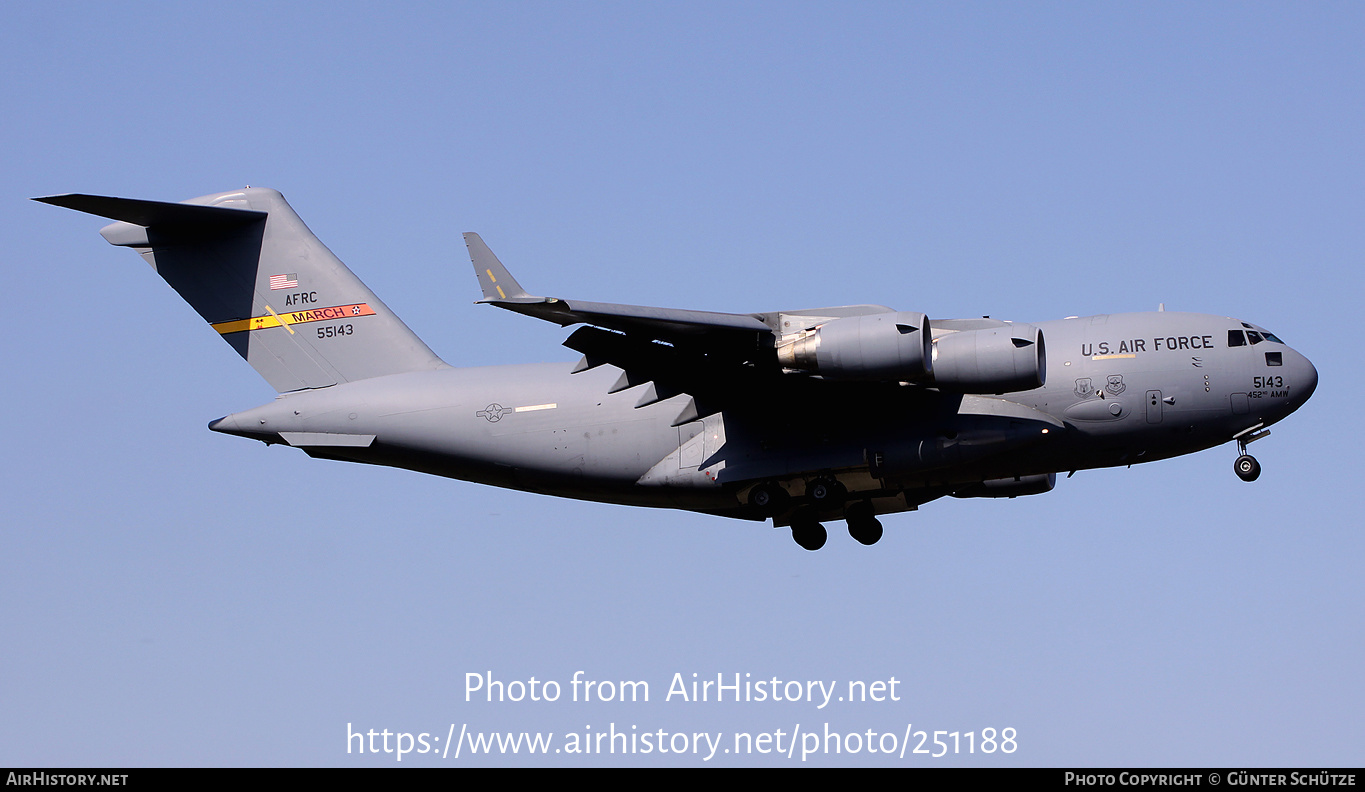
column 665, row 324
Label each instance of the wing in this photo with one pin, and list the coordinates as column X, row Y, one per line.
column 715, row 358
column 720, row 331
column 782, row 373
column 502, row 290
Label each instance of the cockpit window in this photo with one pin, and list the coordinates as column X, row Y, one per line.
column 1274, row 358
column 1255, row 337
column 1271, row 337
column 1236, row 338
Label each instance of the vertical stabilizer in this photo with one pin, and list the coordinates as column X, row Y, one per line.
column 251, row 268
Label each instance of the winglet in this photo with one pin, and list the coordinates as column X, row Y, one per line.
column 497, row 283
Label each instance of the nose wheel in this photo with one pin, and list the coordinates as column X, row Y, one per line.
column 1246, row 467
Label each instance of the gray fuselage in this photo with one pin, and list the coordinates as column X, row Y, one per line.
column 1120, row 389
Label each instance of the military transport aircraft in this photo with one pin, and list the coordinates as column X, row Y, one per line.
column 801, row 417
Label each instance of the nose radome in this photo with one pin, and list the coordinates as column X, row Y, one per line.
column 1308, row 375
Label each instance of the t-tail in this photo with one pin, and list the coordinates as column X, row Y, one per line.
column 247, row 263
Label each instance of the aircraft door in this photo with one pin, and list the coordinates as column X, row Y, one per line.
column 1153, row 406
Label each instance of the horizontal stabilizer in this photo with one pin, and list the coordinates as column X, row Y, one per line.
column 154, row 213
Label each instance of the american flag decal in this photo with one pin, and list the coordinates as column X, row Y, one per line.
column 288, row 281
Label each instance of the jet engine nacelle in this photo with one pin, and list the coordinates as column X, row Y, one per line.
column 993, row 360
column 1011, row 487
column 885, row 346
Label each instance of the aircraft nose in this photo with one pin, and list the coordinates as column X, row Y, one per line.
column 1307, row 374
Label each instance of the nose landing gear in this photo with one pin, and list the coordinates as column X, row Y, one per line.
column 1246, row 466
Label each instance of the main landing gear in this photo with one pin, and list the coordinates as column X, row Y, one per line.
column 826, row 492
column 823, row 496
column 1246, row 466
column 807, row 531
column 769, row 499
column 863, row 526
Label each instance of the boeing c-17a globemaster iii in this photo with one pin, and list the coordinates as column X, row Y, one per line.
column 801, row 416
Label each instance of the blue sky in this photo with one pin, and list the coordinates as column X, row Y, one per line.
column 172, row 596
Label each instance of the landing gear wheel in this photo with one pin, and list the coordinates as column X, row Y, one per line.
column 866, row 532
column 826, row 492
column 863, row 524
column 769, row 499
column 1248, row 469
column 808, row 532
